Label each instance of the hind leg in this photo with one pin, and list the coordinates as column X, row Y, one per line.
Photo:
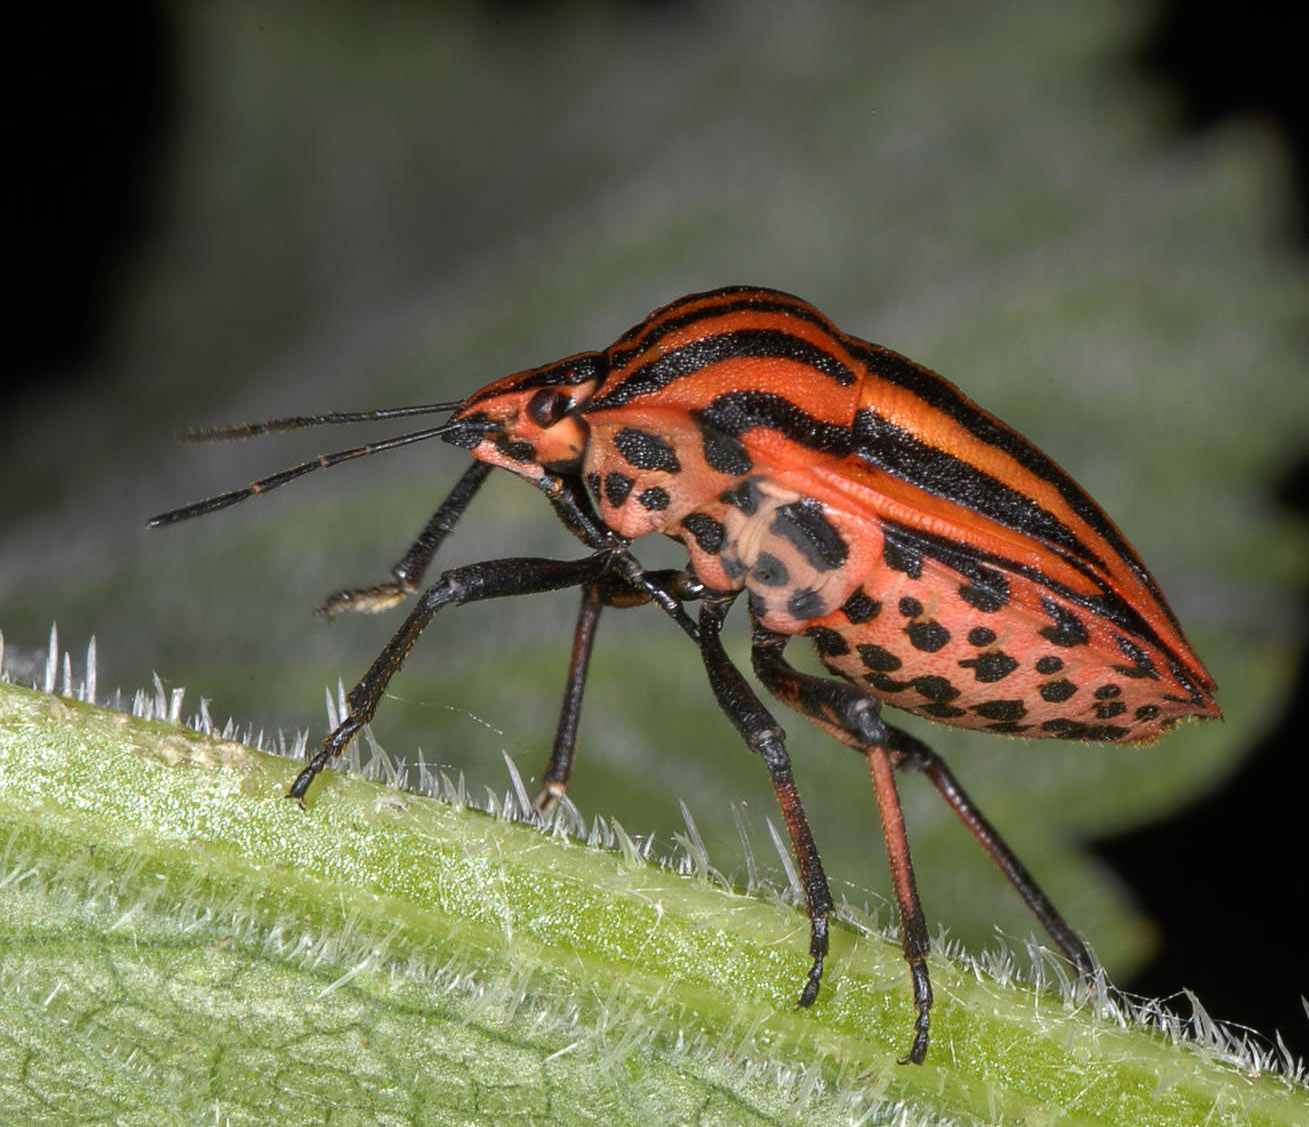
column 911, row 754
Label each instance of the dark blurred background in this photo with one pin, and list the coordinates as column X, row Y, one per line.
column 1092, row 218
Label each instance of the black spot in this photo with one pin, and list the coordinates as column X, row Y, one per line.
column 988, row 591
column 886, row 684
column 653, row 498
column 1057, row 691
column 860, row 608
column 990, row 667
column 874, row 657
column 1009, row 728
column 473, row 432
column 815, row 537
column 1001, row 709
column 910, row 608
column 942, row 711
column 981, row 636
column 515, row 449
column 723, row 452
column 936, row 689
column 646, row 451
column 1048, row 665
column 770, row 571
column 828, row 642
column 806, row 603
column 745, row 496
column 1107, row 692
column 928, row 636
column 902, row 557
column 593, row 481
column 1141, row 665
column 757, row 606
column 1094, row 733
column 1068, row 630
column 617, row 487
column 1109, row 710
column 709, row 533
column 733, row 568
column 1147, row 712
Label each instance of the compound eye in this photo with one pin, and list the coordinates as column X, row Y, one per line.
column 548, row 406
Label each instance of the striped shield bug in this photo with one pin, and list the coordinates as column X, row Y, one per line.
column 939, row 562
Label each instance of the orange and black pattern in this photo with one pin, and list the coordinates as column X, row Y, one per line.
column 939, row 562
column 933, row 554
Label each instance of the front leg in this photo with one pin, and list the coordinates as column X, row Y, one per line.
column 472, row 583
column 407, row 574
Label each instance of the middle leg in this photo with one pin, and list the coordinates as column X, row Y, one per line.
column 611, row 591
column 764, row 736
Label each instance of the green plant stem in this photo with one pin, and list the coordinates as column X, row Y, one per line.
column 177, row 936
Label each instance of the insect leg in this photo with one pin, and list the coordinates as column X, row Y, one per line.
column 554, row 781
column 611, row 591
column 575, row 510
column 912, row 754
column 854, row 717
column 764, row 736
column 490, row 580
column 407, row 574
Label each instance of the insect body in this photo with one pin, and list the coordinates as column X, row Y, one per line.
column 939, row 562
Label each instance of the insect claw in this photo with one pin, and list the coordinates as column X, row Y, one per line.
column 547, row 800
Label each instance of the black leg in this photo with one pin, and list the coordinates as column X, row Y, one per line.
column 554, row 782
column 407, row 574
column 912, row 754
column 491, row 580
column 609, row 591
column 854, row 717
column 764, row 736
column 578, row 515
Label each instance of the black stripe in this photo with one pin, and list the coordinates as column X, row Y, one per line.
column 899, row 453
column 739, row 411
column 940, row 394
column 752, row 297
column 657, row 315
column 756, row 344
column 569, row 372
column 969, row 561
column 664, row 322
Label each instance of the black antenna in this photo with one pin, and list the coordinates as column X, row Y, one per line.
column 298, row 422
column 263, row 485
